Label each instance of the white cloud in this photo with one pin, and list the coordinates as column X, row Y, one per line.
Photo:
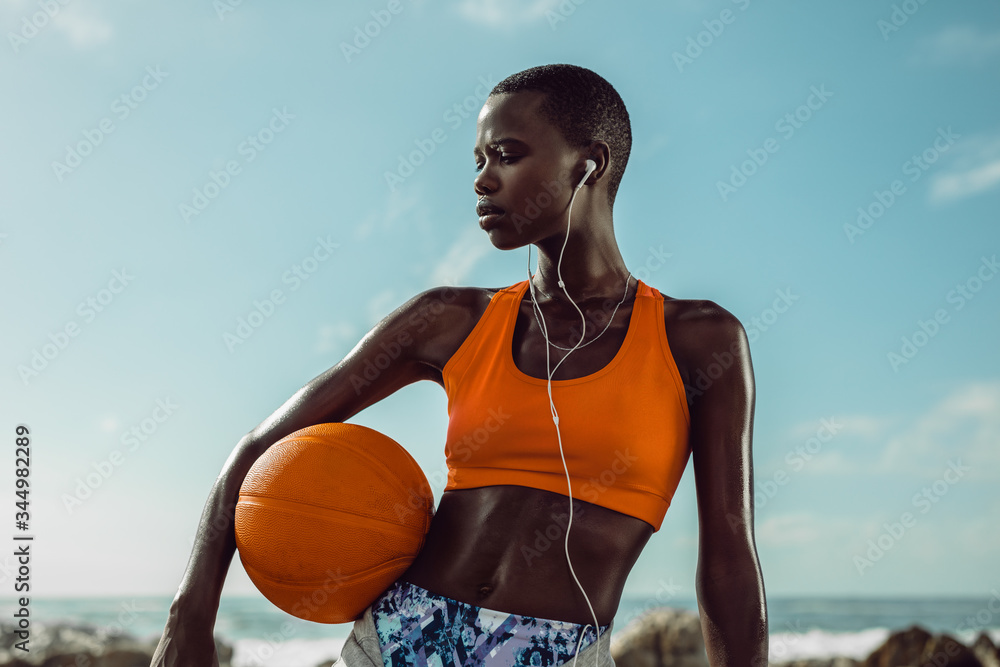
column 76, row 21
column 932, row 540
column 380, row 305
column 865, row 426
column 505, row 13
column 974, row 167
column 957, row 185
column 832, row 463
column 958, row 44
column 461, row 258
column 842, row 537
column 801, row 528
column 817, row 445
column 364, row 230
column 15, row 9
column 401, row 204
column 699, row 6
column 979, row 534
column 511, row 13
column 964, row 425
column 330, row 336
column 84, row 31
column 809, row 530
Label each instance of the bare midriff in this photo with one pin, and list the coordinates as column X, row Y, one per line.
column 503, row 548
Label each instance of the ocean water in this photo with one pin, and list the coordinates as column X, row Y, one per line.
column 807, row 627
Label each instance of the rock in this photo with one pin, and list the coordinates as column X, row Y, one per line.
column 124, row 658
column 224, row 650
column 80, row 645
column 68, row 660
column 945, row 650
column 986, row 651
column 661, row 637
column 113, row 659
column 819, row 662
column 900, row 649
column 915, row 647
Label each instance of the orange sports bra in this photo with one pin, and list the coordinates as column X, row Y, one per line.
column 624, row 428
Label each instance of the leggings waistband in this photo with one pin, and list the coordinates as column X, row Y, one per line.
column 418, row 627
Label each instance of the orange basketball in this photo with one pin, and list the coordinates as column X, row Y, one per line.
column 329, row 517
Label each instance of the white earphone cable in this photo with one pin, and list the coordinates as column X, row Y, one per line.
column 555, row 415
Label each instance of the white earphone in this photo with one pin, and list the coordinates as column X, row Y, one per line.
column 590, row 167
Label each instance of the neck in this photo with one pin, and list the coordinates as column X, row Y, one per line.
column 592, row 265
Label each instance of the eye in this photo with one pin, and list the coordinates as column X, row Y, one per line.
column 506, row 159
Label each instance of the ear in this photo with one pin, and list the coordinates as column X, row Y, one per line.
column 600, row 153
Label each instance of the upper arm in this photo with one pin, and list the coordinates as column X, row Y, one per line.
column 411, row 343
column 721, row 403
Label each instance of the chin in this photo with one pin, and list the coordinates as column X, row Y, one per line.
column 506, row 239
column 509, row 236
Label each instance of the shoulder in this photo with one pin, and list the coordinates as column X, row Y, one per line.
column 702, row 318
column 448, row 305
column 701, row 333
column 439, row 319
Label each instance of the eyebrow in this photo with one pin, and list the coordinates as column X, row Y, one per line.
column 503, row 141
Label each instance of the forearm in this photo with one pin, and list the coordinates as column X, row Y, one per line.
column 200, row 589
column 733, row 616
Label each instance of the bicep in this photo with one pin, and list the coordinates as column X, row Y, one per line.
column 389, row 357
column 721, row 441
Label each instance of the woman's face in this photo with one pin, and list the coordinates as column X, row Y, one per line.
column 524, row 168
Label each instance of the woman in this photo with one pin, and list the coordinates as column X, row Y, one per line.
column 585, row 447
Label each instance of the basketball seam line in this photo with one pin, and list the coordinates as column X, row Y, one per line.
column 306, row 508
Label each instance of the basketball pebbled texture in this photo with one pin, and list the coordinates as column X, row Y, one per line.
column 329, row 517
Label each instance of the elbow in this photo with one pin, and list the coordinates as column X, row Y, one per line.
column 732, row 577
column 728, row 567
column 241, row 459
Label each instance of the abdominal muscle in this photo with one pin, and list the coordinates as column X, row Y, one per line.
column 502, row 548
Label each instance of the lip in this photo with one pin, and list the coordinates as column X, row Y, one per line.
column 489, row 213
column 490, row 219
column 486, row 207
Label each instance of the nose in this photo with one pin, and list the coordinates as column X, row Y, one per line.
column 485, row 181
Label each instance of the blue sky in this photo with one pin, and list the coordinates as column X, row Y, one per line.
column 167, row 168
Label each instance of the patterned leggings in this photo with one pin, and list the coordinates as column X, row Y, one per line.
column 416, row 628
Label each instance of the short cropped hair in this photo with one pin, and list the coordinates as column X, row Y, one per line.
column 583, row 106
